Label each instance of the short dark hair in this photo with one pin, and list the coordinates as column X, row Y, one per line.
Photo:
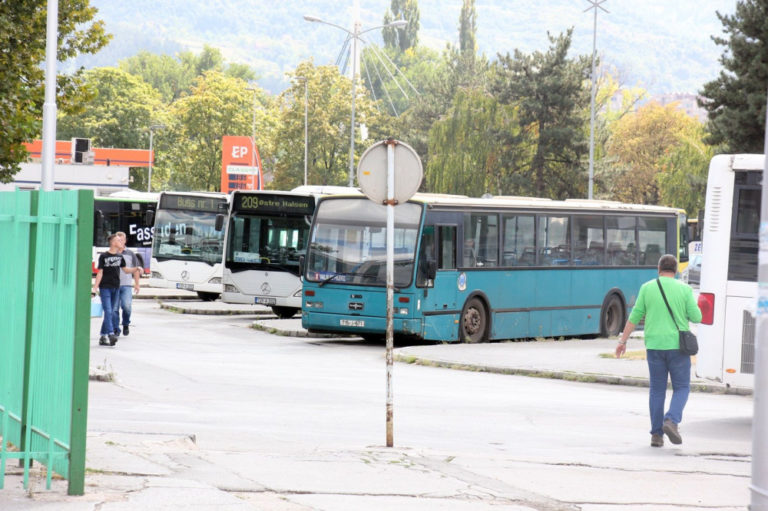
column 667, row 262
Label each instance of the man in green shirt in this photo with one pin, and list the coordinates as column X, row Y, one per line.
column 662, row 346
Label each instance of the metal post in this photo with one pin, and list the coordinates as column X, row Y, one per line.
column 354, row 94
column 151, row 159
column 152, row 129
column 306, row 127
column 390, row 281
column 49, row 107
column 592, row 113
column 595, row 6
column 759, row 486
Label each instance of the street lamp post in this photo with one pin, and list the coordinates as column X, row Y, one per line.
column 306, row 124
column 595, row 6
column 152, row 129
column 355, row 35
column 253, row 132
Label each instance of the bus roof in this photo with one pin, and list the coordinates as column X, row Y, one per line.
column 207, row 195
column 126, row 195
column 436, row 200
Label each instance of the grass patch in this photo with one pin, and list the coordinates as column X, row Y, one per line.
column 629, row 355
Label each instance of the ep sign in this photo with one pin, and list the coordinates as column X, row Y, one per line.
column 240, row 164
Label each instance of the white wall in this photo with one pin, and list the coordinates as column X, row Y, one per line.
column 101, row 179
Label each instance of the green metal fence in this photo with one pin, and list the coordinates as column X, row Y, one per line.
column 45, row 246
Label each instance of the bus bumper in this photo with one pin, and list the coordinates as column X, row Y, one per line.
column 357, row 325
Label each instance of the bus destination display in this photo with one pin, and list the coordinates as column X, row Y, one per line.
column 192, row 203
column 280, row 204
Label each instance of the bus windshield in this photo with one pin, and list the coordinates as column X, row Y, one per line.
column 348, row 243
column 267, row 242
column 188, row 236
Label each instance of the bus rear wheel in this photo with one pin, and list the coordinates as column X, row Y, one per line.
column 474, row 322
column 284, row 312
column 207, row 297
column 612, row 317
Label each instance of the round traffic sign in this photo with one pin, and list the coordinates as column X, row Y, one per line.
column 372, row 171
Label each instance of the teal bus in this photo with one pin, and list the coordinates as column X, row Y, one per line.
column 483, row 269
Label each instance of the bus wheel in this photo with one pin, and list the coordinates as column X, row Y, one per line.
column 474, row 322
column 284, row 312
column 612, row 317
column 207, row 297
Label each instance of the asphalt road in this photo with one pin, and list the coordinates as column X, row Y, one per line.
column 269, row 422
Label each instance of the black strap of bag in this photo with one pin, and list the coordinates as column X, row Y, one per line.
column 667, row 304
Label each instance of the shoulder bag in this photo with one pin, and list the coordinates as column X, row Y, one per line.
column 688, row 343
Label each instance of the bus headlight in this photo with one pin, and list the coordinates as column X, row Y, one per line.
column 403, row 311
column 297, row 293
column 313, row 305
column 215, row 280
column 156, row 275
column 229, row 288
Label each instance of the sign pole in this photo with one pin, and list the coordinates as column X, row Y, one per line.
column 390, row 281
column 384, row 183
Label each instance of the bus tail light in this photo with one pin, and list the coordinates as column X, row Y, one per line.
column 707, row 307
column 309, row 292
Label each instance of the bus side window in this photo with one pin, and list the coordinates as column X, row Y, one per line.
column 446, row 257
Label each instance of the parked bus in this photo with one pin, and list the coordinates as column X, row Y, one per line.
column 480, row 269
column 127, row 212
column 728, row 281
column 266, row 233
column 187, row 249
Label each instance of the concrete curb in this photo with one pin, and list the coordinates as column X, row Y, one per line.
column 257, row 325
column 565, row 375
column 211, row 312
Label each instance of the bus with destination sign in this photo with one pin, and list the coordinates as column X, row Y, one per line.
column 473, row 270
column 187, row 249
column 125, row 211
column 266, row 234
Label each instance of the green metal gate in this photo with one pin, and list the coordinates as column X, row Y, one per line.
column 45, row 247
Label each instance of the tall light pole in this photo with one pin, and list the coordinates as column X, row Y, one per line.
column 253, row 132
column 49, row 106
column 595, row 5
column 152, row 129
column 355, row 35
column 306, row 124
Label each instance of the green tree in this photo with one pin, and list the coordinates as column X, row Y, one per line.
column 683, row 177
column 122, row 109
column 408, row 36
column 653, row 141
column 217, row 105
column 466, row 154
column 328, row 115
column 736, row 99
column 553, row 98
column 120, row 113
column 22, row 52
column 174, row 76
column 468, row 28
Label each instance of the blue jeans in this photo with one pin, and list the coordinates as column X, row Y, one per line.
column 110, row 297
column 678, row 366
column 124, row 301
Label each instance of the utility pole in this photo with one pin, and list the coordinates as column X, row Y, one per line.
column 595, row 5
column 49, row 106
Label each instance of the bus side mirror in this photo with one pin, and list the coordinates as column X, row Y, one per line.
column 219, row 222
column 301, row 265
column 431, row 270
column 149, row 217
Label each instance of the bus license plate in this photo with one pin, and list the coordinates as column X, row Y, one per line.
column 183, row 285
column 352, row 322
column 265, row 301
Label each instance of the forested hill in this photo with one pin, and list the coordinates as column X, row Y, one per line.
column 660, row 45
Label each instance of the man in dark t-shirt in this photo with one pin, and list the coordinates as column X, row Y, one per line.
column 107, row 284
